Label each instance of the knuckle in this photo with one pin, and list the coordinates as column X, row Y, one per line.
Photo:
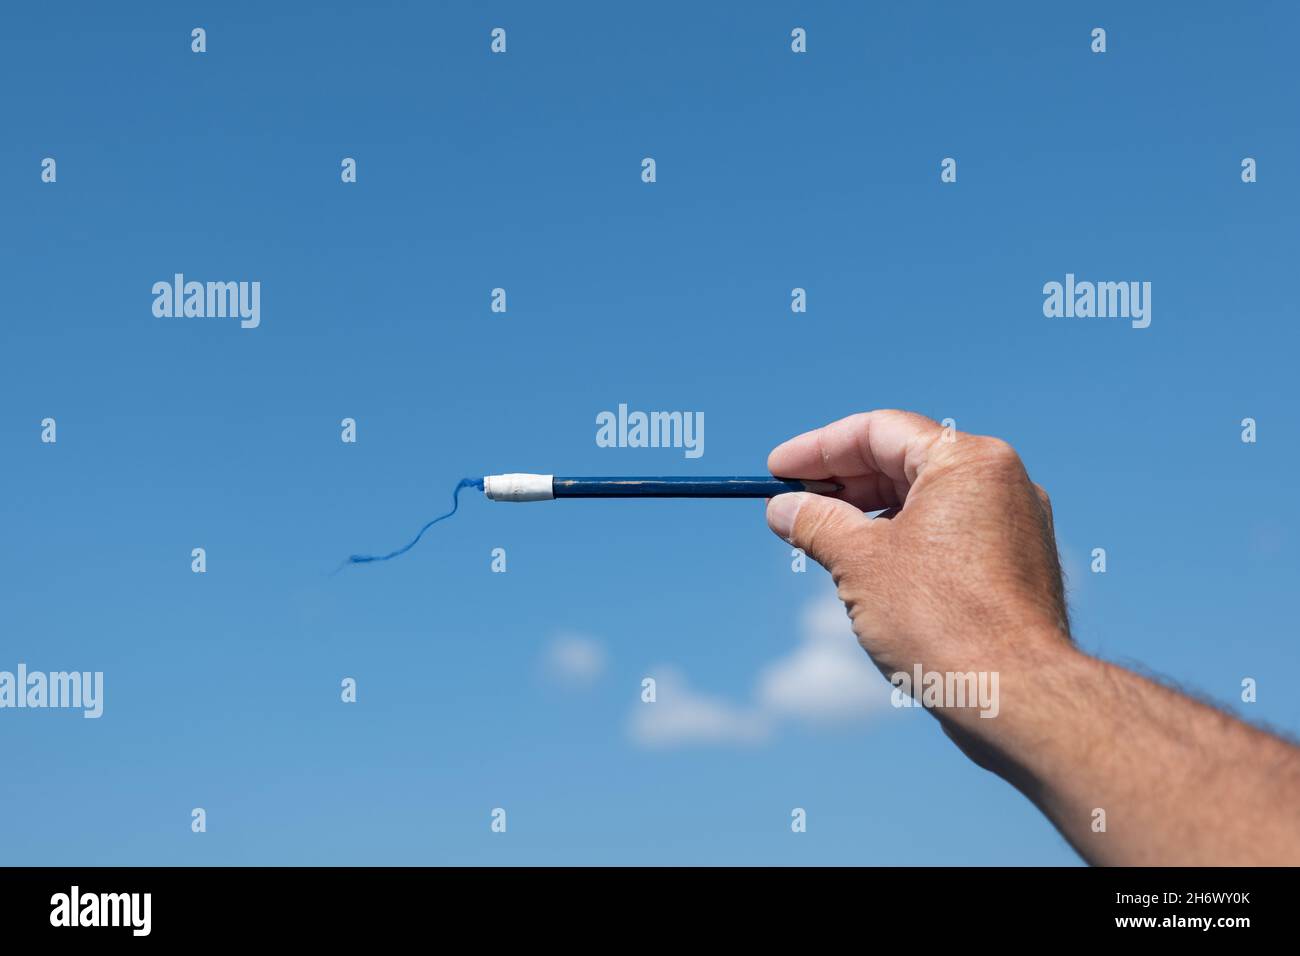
column 995, row 449
column 992, row 454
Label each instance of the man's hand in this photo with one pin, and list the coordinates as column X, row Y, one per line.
column 964, row 574
column 960, row 574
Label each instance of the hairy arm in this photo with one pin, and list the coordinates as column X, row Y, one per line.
column 1178, row 782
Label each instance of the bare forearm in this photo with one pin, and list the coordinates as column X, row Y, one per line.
column 1173, row 781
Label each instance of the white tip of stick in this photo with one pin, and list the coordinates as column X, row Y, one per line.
column 519, row 487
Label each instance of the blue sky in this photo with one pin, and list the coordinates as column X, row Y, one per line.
column 522, row 171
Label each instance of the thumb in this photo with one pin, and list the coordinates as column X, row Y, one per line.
column 827, row 529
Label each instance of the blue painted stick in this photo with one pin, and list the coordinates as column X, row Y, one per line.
column 518, row 487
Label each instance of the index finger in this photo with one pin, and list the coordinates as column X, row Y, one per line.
column 868, row 452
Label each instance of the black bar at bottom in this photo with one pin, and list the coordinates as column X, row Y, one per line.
column 611, row 907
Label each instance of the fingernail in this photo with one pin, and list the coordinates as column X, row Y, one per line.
column 782, row 511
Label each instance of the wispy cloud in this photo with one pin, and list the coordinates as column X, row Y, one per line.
column 574, row 660
column 826, row 679
column 681, row 715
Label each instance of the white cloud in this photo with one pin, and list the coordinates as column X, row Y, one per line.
column 680, row 715
column 574, row 660
column 825, row 679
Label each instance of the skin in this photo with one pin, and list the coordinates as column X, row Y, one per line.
column 961, row 573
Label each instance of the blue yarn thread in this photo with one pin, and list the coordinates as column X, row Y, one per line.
column 455, row 503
